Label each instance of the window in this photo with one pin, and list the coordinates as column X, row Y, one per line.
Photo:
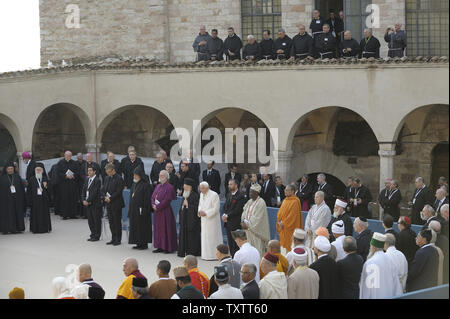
column 355, row 16
column 260, row 15
column 427, row 27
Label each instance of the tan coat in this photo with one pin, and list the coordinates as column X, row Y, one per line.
column 303, row 284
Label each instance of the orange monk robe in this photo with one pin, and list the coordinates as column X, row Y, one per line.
column 290, row 214
column 282, row 265
column 200, row 281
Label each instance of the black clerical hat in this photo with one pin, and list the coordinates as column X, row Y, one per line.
column 140, row 282
column 40, row 165
column 140, row 172
column 189, row 181
column 221, row 273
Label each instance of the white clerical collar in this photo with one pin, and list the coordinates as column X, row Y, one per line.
column 164, row 278
column 225, row 259
column 234, row 192
column 426, row 245
column 322, row 256
column 245, row 284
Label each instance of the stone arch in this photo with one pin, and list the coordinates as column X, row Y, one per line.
column 151, row 133
column 59, row 127
column 10, row 139
column 316, row 147
column 234, row 117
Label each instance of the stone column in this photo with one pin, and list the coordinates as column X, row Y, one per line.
column 22, row 165
column 386, row 153
column 284, row 166
column 95, row 150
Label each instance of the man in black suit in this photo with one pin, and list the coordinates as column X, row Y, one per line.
column 349, row 270
column 113, row 197
column 232, row 174
column 326, row 188
column 383, row 196
column 440, row 200
column 326, row 268
column 423, row 272
column 250, row 290
column 360, row 199
column 422, row 196
column 232, row 212
column 184, row 173
column 279, row 191
column 388, row 223
column 363, row 237
column 212, row 177
column 268, row 190
column 406, row 239
column 110, row 158
column 128, row 165
column 91, row 200
column 392, row 201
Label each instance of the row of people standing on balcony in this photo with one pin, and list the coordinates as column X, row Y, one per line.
column 327, row 40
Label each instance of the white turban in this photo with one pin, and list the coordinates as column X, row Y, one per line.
column 256, row 187
column 300, row 255
column 338, row 227
column 341, row 203
column 322, row 243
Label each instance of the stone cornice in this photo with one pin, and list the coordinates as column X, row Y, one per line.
column 142, row 64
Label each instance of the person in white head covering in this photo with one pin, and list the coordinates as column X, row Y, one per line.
column 379, row 277
column 211, row 228
column 60, row 289
column 338, row 230
column 340, row 213
column 326, row 268
column 298, row 241
column 303, row 283
column 255, row 220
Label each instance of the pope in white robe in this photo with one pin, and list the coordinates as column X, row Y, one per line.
column 379, row 277
column 255, row 220
column 211, row 227
column 318, row 216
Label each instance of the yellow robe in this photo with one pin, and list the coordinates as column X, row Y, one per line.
column 125, row 288
column 290, row 214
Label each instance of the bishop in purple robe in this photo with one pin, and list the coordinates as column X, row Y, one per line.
column 165, row 231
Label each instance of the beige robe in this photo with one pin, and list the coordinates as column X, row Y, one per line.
column 256, row 217
column 303, row 284
column 211, row 227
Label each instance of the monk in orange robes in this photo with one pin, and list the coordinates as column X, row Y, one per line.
column 289, row 217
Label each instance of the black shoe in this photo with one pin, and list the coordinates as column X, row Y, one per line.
column 65, row 218
column 136, row 247
column 95, row 239
column 110, row 243
column 142, row 248
column 167, row 252
column 116, row 243
column 159, row 250
column 89, row 239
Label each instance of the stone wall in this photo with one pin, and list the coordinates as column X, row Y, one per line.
column 127, row 28
column 295, row 12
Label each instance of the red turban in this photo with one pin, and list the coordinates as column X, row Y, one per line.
column 271, row 257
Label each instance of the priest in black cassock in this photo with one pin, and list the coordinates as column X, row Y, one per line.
column 12, row 201
column 190, row 223
column 360, row 199
column 38, row 198
column 68, row 176
column 140, row 210
column 369, row 46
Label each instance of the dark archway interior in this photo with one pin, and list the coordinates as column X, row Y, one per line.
column 58, row 129
column 8, row 151
column 440, row 163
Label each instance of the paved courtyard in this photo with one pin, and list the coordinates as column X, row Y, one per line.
column 31, row 261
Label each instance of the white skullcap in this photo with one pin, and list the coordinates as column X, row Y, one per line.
column 338, row 227
column 322, row 243
column 341, row 203
column 205, row 184
column 299, row 233
column 256, row 187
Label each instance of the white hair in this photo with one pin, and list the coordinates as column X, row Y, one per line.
column 250, row 36
column 204, row 184
column 164, row 172
column 435, row 226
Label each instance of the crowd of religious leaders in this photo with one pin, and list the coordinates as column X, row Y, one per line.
column 330, row 255
column 328, row 39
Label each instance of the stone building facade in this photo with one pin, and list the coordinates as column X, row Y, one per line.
column 165, row 29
